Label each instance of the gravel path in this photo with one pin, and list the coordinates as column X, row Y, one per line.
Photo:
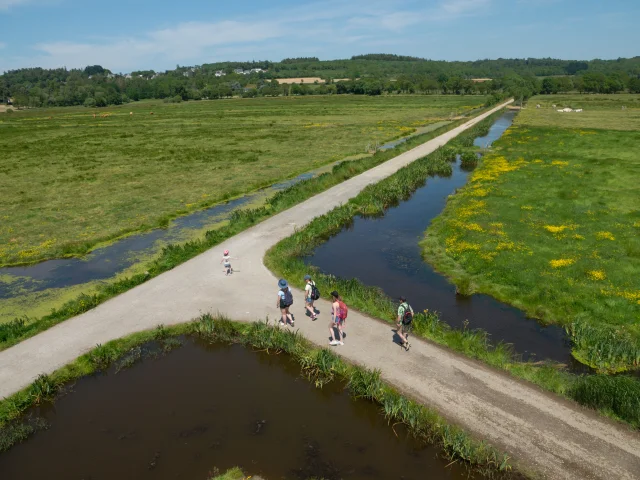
column 542, row 432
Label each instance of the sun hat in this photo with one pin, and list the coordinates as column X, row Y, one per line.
column 335, row 294
column 307, row 277
column 282, row 283
column 226, row 252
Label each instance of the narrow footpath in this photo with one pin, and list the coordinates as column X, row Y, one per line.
column 543, row 433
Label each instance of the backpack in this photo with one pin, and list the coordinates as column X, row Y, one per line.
column 288, row 298
column 315, row 293
column 343, row 310
column 407, row 318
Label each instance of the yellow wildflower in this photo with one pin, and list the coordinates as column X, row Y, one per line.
column 555, row 229
column 526, row 207
column 578, row 237
column 596, row 275
column 559, row 163
column 605, row 236
column 562, row 262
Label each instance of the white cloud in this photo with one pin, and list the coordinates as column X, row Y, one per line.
column 6, row 4
column 295, row 31
column 463, row 7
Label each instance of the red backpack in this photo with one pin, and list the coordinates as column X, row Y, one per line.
column 343, row 310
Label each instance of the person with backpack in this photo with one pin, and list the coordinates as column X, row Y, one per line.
column 311, row 294
column 339, row 312
column 404, row 322
column 285, row 300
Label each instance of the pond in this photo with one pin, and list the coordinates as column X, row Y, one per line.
column 204, row 406
column 385, row 252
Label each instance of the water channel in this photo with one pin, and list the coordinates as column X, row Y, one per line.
column 384, row 252
column 204, row 406
column 106, row 262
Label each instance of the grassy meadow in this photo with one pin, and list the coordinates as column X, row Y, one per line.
column 69, row 181
column 550, row 222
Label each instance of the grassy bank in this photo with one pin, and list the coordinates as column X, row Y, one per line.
column 550, row 223
column 319, row 365
column 72, row 181
column 286, row 260
column 14, row 331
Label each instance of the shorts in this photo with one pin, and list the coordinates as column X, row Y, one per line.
column 407, row 328
column 309, row 300
column 282, row 305
column 337, row 320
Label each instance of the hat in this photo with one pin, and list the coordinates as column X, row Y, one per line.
column 335, row 294
column 282, row 283
column 226, row 252
column 402, row 298
column 307, row 277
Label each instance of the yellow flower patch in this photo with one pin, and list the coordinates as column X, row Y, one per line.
column 473, row 207
column 605, row 236
column 562, row 262
column 526, row 207
column 578, row 237
column 494, row 167
column 596, row 275
column 555, row 228
column 559, row 163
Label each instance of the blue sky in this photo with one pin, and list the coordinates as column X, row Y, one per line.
column 141, row 34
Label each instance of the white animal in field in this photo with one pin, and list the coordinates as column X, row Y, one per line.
column 560, row 110
column 538, row 106
column 567, row 110
column 553, row 106
column 578, row 110
column 131, row 114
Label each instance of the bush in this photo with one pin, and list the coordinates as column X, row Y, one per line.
column 90, row 102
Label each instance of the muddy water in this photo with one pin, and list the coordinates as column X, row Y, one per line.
column 384, row 252
column 203, row 406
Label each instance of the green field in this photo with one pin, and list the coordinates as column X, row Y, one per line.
column 69, row 181
column 550, row 222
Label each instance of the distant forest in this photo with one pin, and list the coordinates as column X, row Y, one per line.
column 372, row 74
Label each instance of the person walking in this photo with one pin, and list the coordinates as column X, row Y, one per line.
column 226, row 262
column 339, row 313
column 404, row 322
column 285, row 300
column 311, row 294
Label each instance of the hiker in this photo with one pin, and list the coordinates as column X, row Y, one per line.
column 311, row 294
column 285, row 300
column 339, row 313
column 404, row 322
column 226, row 261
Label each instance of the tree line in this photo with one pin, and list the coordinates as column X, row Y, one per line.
column 373, row 74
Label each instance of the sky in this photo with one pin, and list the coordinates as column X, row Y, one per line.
column 142, row 34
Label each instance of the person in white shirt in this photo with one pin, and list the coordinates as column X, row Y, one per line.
column 308, row 297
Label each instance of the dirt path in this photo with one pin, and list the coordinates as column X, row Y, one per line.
column 543, row 433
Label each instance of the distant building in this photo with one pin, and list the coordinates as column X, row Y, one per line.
column 480, row 80
column 256, row 70
column 239, row 71
column 220, row 73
